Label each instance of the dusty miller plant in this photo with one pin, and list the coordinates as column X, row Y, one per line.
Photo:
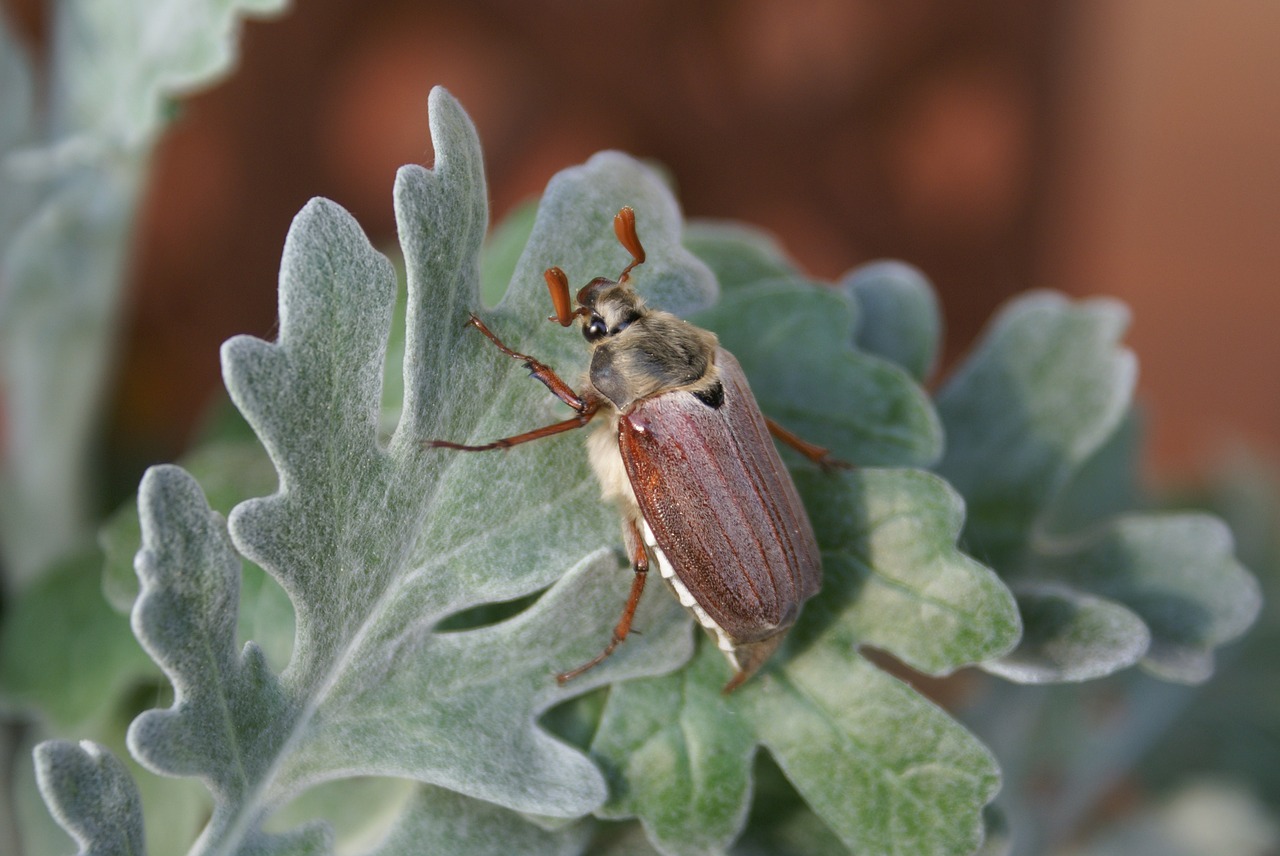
column 361, row 639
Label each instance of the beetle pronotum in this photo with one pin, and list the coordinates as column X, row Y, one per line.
column 685, row 453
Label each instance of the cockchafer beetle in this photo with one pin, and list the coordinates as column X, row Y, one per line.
column 686, row 455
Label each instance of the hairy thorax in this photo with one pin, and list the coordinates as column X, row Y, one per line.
column 651, row 353
column 656, row 353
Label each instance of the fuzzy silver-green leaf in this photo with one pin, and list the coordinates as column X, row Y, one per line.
column 898, row 316
column 884, row 769
column 377, row 544
column 93, row 797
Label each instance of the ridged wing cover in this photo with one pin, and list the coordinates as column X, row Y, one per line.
column 722, row 506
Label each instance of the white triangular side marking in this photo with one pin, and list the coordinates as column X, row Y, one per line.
column 723, row 642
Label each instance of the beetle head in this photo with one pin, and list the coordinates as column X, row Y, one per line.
column 606, row 306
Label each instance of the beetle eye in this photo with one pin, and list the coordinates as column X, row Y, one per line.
column 595, row 329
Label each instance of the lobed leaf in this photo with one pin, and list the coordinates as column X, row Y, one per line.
column 1043, row 390
column 898, row 317
column 378, row 545
column 229, row 711
column 1174, row 571
column 1039, row 444
column 738, row 253
column 793, row 341
column 1071, row 636
column 92, row 796
column 885, row 769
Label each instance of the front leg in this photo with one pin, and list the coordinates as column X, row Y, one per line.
column 586, row 405
column 541, row 371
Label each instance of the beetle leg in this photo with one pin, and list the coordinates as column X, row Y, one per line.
column 640, row 564
column 590, row 408
column 820, row 456
column 541, row 371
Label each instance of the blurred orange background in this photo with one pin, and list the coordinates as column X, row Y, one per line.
column 1129, row 149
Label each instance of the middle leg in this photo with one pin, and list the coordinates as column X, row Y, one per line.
column 591, row 407
column 640, row 564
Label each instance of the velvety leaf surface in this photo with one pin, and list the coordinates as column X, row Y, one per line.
column 1071, row 636
column 228, row 473
column 92, row 796
column 884, row 768
column 738, row 253
column 1106, row 484
column 441, row 821
column 898, row 316
column 1046, row 386
column 1177, row 572
column 793, row 341
column 376, row 545
column 229, row 709
column 1038, row 443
